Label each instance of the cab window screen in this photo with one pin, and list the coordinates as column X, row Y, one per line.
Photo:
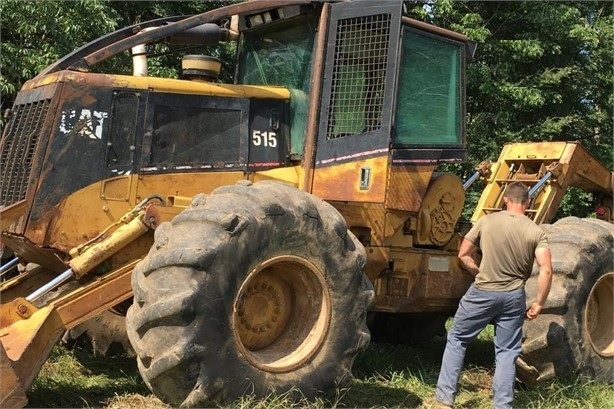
column 429, row 108
column 359, row 76
column 191, row 136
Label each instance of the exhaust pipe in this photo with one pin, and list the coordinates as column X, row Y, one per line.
column 139, row 57
column 139, row 61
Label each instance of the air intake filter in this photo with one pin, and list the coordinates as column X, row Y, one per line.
column 201, row 67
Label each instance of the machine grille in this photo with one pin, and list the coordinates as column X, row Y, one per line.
column 18, row 147
column 359, row 75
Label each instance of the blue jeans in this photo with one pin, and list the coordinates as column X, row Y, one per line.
column 478, row 308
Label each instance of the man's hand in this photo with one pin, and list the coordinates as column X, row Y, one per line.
column 533, row 311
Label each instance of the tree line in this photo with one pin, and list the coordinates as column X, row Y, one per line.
column 543, row 71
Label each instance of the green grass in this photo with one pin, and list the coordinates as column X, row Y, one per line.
column 386, row 377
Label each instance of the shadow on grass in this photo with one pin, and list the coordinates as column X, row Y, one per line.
column 73, row 396
column 114, row 364
column 379, row 367
column 118, row 372
column 420, row 358
column 369, row 395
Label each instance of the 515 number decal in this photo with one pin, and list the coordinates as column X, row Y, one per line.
column 264, row 138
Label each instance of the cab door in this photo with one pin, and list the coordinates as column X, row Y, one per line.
column 357, row 105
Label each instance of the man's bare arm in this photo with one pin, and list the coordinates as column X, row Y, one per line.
column 544, row 281
column 468, row 256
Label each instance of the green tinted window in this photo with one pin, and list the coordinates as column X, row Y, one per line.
column 429, row 105
column 281, row 56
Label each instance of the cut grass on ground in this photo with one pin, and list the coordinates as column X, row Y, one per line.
column 386, row 377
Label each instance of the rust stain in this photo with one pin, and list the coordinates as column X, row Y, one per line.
column 342, row 182
column 407, row 186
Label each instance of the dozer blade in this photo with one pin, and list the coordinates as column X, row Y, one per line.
column 25, row 345
column 11, row 391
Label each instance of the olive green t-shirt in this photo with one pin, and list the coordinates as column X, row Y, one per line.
column 508, row 242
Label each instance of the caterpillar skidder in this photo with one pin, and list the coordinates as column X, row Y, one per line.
column 259, row 226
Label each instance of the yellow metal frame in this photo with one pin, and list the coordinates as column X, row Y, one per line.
column 571, row 165
column 167, row 85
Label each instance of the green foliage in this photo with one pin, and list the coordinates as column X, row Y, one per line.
column 575, row 203
column 542, row 72
column 534, row 71
column 162, row 62
column 36, row 33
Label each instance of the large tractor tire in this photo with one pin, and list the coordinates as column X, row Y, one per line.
column 574, row 334
column 253, row 289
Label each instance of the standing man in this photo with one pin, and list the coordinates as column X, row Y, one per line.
column 509, row 242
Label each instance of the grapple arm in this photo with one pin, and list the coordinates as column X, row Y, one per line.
column 548, row 168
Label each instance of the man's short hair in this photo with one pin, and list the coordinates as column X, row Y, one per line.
column 517, row 192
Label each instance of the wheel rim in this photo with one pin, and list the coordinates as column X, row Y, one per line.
column 281, row 313
column 598, row 316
